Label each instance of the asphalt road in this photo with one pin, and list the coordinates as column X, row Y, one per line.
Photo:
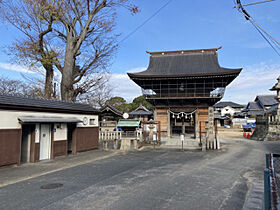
column 160, row 179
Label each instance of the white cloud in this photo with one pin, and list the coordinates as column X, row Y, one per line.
column 124, row 87
column 14, row 67
column 138, row 69
column 253, row 80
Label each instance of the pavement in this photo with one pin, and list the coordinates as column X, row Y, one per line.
column 231, row 178
column 13, row 174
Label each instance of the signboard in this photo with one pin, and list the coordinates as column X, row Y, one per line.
column 154, row 137
column 182, row 137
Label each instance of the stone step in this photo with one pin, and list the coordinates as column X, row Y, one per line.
column 178, row 142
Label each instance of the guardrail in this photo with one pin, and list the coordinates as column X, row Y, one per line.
column 272, row 182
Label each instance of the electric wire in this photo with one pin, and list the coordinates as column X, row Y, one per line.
column 265, row 38
column 260, row 30
column 255, row 3
column 269, row 39
column 145, row 22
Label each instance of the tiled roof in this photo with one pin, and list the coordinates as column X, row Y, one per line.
column 128, row 123
column 254, row 106
column 108, row 107
column 180, row 63
column 223, row 104
column 141, row 110
column 267, row 100
column 272, row 110
column 19, row 102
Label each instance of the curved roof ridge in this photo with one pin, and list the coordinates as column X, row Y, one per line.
column 185, row 65
column 183, row 51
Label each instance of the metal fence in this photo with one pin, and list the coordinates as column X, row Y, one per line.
column 272, row 182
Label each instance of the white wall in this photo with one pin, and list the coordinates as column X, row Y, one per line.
column 60, row 131
column 9, row 119
column 227, row 110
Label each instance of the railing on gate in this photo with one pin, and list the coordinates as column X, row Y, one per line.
column 109, row 139
column 110, row 135
column 272, row 181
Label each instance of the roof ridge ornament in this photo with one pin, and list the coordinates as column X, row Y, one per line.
column 183, row 51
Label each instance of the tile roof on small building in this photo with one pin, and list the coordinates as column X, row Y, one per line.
column 223, row 104
column 128, row 123
column 44, row 105
column 108, row 107
column 266, row 100
column 254, row 106
column 272, row 110
column 261, row 104
column 141, row 110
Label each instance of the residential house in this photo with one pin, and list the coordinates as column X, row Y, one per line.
column 225, row 108
column 261, row 104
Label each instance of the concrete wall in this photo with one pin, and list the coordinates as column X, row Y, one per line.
column 9, row 119
column 60, row 131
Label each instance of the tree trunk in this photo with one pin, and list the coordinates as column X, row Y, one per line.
column 67, row 89
column 48, row 90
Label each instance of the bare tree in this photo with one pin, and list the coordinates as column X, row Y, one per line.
column 34, row 19
column 80, row 30
column 19, row 88
column 99, row 95
column 90, row 43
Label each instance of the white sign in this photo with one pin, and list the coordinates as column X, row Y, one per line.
column 182, row 137
column 154, row 137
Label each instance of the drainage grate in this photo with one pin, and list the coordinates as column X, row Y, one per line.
column 51, row 186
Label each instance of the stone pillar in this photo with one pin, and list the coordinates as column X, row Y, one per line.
column 210, row 137
column 168, row 124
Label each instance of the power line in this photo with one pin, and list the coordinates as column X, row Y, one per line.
column 255, row 3
column 265, row 38
column 268, row 38
column 146, row 21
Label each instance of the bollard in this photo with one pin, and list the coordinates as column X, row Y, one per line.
column 267, row 193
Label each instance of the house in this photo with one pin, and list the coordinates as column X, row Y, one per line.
column 261, row 104
column 38, row 129
column 268, row 122
column 225, row 108
column 141, row 113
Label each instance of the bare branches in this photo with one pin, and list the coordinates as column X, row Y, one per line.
column 16, row 87
column 74, row 37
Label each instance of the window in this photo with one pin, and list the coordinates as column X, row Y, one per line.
column 92, row 121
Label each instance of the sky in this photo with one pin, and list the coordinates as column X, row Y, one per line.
column 184, row 25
